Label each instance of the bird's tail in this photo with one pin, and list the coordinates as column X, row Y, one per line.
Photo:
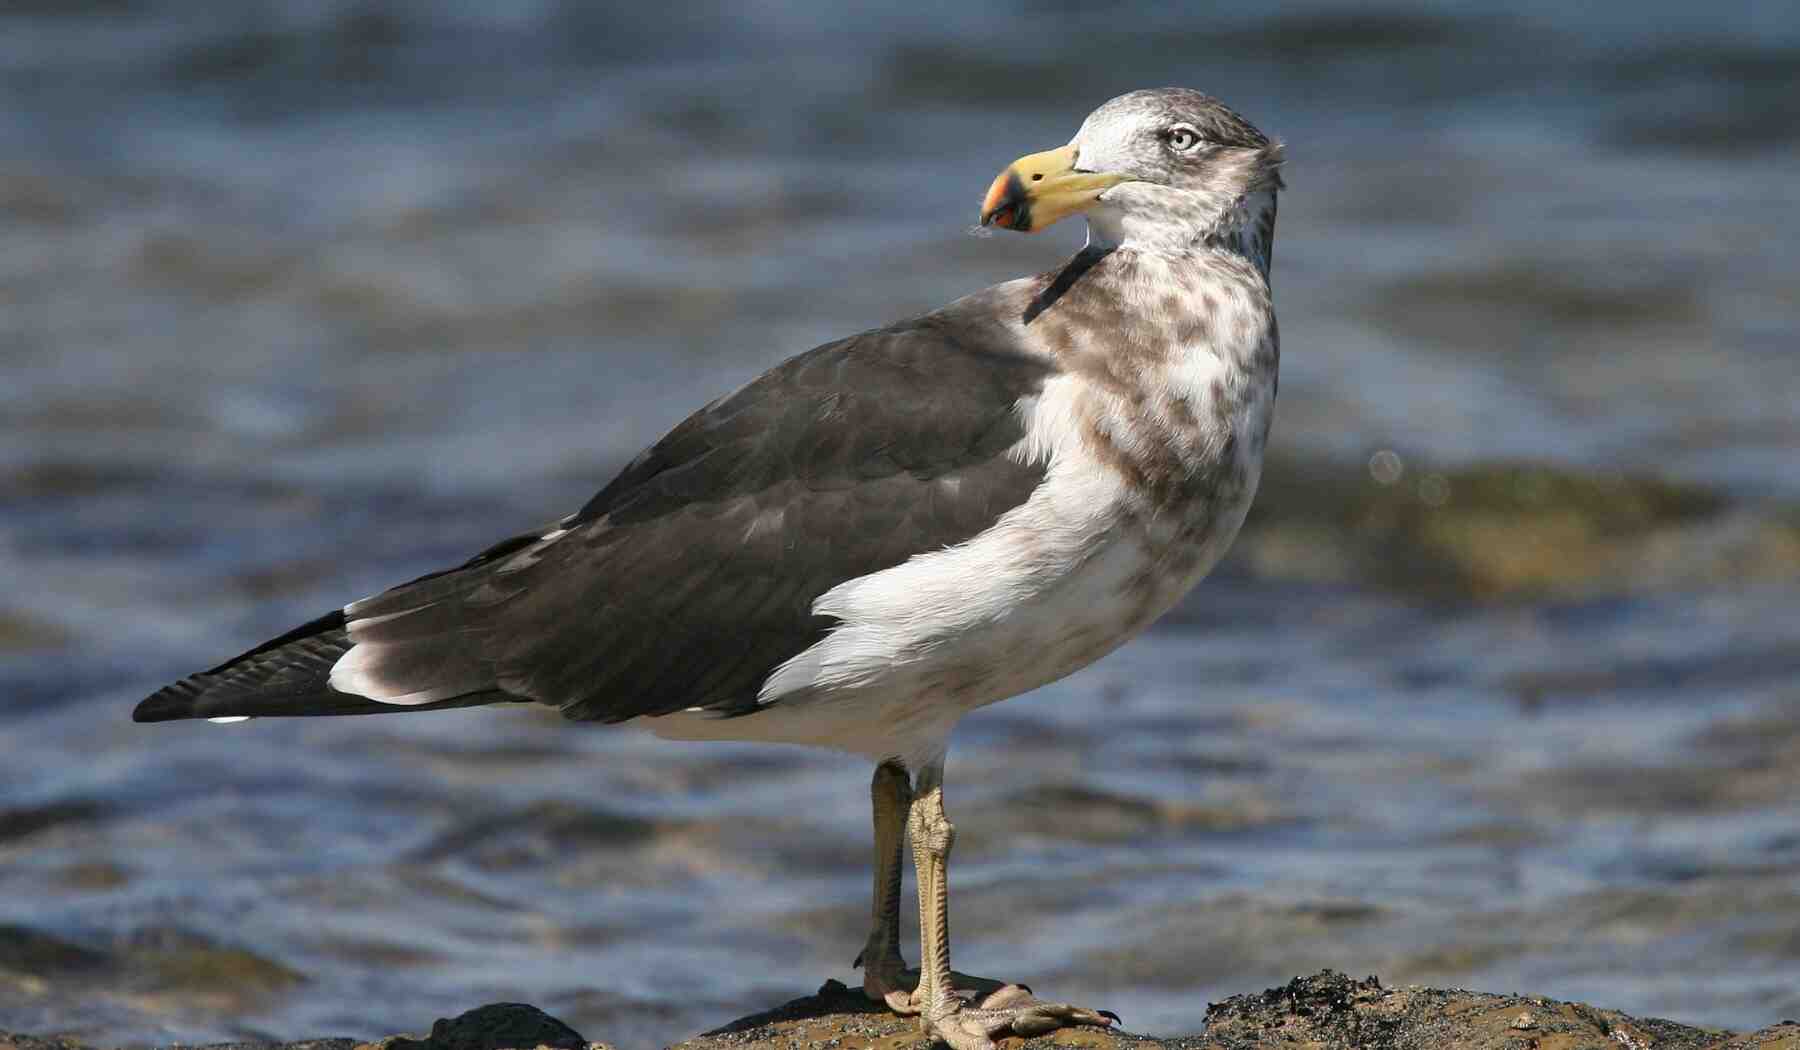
column 286, row 676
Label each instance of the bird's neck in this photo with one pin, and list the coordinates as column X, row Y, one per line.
column 1211, row 303
column 1248, row 230
column 1243, row 226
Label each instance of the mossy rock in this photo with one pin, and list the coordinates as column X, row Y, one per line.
column 1510, row 530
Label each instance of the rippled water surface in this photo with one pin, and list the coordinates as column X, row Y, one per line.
column 299, row 300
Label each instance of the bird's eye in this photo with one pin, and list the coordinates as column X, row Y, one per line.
column 1181, row 138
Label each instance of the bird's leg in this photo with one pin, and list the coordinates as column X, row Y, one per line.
column 884, row 972
column 965, row 1024
column 885, row 976
column 932, row 836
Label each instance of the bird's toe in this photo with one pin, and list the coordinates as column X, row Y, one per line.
column 1010, row 1009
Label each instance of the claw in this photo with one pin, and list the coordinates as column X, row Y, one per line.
column 857, row 965
column 1116, row 1019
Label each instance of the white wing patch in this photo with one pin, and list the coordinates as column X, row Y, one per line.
column 357, row 672
column 980, row 603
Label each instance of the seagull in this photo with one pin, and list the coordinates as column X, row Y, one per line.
column 878, row 536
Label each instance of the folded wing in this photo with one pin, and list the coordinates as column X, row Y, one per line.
column 692, row 575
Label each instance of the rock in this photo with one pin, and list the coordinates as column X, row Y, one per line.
column 29, row 1042
column 496, row 1026
column 1327, row 1011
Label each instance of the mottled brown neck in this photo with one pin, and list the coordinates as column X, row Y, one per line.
column 1249, row 230
column 1064, row 280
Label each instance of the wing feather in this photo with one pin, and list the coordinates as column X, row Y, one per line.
column 691, row 576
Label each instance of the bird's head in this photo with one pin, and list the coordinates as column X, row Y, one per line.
column 1164, row 168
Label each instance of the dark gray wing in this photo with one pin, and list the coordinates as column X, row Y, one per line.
column 290, row 675
column 691, row 577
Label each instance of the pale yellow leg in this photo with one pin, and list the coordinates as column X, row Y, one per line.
column 932, row 836
column 1006, row 1009
column 884, row 972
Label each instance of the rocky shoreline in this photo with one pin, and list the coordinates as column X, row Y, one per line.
column 1327, row 1011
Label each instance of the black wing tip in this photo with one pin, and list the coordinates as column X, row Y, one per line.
column 165, row 705
column 190, row 699
column 184, row 698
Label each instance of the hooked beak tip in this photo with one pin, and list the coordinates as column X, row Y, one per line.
column 1005, row 203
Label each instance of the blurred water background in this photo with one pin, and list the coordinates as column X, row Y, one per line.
column 1499, row 689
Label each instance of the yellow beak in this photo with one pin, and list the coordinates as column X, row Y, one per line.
column 1035, row 191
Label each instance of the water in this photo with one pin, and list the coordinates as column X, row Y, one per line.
column 304, row 299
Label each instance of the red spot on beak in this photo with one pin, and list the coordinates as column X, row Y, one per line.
column 1001, row 205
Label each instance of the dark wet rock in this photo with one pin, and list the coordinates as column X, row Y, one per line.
column 1509, row 530
column 497, row 1026
column 9, row 1041
column 1331, row 1010
column 304, row 1044
column 1327, row 1011
column 835, row 1015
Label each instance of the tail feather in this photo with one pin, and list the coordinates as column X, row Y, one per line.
column 283, row 677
